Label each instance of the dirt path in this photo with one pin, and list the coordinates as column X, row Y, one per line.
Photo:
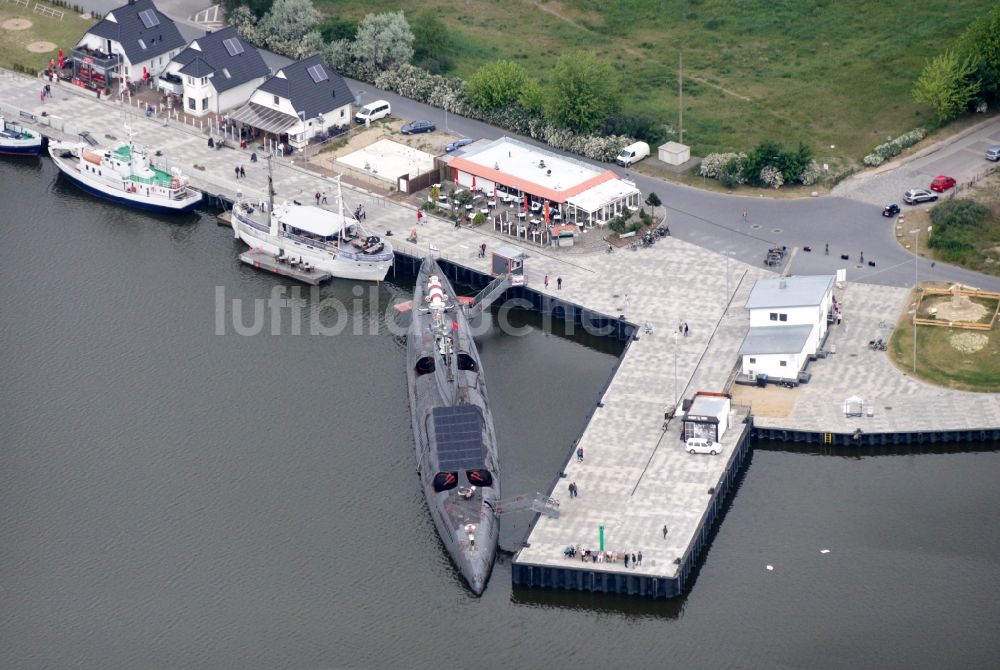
column 720, row 88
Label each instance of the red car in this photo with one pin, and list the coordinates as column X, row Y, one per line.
column 942, row 183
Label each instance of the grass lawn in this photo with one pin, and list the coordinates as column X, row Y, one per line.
column 64, row 34
column 951, row 357
column 820, row 71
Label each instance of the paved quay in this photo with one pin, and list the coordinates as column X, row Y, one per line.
column 899, row 402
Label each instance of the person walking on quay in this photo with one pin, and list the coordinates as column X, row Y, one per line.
column 237, row 171
column 318, row 197
column 579, row 454
column 634, row 562
column 626, row 559
column 826, row 250
column 324, row 197
column 570, row 487
column 243, row 172
column 626, row 301
column 665, row 531
column 42, row 94
column 640, row 559
column 482, row 250
column 862, row 258
column 420, row 216
column 559, row 283
column 546, row 281
column 576, row 490
column 362, row 210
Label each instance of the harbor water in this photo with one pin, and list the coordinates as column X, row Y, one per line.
column 184, row 485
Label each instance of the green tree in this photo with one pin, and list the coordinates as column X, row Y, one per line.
column 334, row 28
column 290, row 28
column 497, row 84
column 432, row 45
column 947, row 84
column 383, row 40
column 583, row 91
column 981, row 43
column 257, row 7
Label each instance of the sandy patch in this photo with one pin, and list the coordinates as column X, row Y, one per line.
column 16, row 24
column 772, row 401
column 41, row 47
column 969, row 343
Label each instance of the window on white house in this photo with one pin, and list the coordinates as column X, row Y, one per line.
column 190, row 81
column 753, row 360
column 204, row 103
column 341, row 113
column 783, row 363
column 276, row 100
column 192, row 103
column 782, row 317
column 774, row 316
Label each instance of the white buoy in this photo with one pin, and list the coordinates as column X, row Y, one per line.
column 824, row 551
column 770, row 567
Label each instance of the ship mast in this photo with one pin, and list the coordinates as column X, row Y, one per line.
column 340, row 204
column 272, row 228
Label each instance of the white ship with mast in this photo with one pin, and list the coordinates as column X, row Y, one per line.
column 125, row 175
column 326, row 241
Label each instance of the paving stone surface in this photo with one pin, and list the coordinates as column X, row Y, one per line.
column 634, row 478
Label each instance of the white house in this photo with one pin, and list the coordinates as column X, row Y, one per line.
column 707, row 416
column 302, row 100
column 788, row 323
column 134, row 42
column 215, row 73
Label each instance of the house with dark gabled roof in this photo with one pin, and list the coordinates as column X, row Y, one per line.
column 132, row 43
column 301, row 101
column 215, row 73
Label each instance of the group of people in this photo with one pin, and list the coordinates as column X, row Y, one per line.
column 595, row 556
column 573, row 490
column 683, row 328
column 46, row 92
column 359, row 213
column 240, row 171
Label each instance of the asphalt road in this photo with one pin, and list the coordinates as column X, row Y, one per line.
column 850, row 221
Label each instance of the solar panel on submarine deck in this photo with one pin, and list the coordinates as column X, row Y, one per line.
column 459, row 433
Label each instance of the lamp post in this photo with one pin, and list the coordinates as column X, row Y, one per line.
column 728, row 255
column 675, row 371
column 305, row 140
column 916, row 287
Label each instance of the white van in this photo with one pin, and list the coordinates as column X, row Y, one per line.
column 373, row 111
column 701, row 445
column 633, row 153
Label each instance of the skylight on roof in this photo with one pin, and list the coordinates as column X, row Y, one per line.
column 317, row 73
column 149, row 18
column 225, row 71
column 142, row 44
column 233, row 46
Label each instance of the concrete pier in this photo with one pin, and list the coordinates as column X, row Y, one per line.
column 635, row 478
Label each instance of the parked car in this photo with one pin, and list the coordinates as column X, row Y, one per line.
column 942, row 183
column 458, row 144
column 892, row 209
column 917, row 195
column 993, row 153
column 701, row 445
column 373, row 111
column 419, row 126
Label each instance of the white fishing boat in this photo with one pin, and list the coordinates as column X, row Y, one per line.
column 313, row 237
column 125, row 175
column 16, row 140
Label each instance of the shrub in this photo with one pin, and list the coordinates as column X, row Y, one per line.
column 954, row 223
column 771, row 177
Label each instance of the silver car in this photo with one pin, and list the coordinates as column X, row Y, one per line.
column 918, row 195
column 993, row 153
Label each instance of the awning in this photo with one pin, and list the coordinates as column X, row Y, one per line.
column 267, row 119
